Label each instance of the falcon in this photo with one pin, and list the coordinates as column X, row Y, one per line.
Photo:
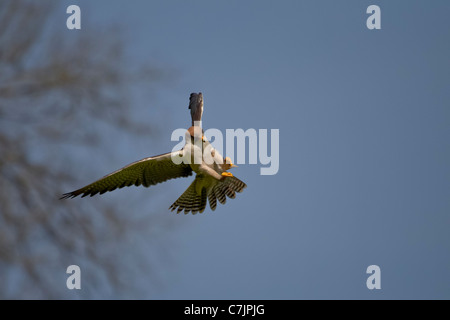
column 212, row 182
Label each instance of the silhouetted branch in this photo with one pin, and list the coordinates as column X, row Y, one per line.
column 58, row 98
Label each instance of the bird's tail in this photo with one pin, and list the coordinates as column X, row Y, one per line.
column 196, row 106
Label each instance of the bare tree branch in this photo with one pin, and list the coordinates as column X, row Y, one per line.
column 58, row 98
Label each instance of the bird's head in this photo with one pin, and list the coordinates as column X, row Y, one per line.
column 228, row 164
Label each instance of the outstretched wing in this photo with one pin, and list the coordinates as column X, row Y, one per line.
column 194, row 199
column 227, row 187
column 146, row 172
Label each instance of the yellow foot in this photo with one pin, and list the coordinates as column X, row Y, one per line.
column 227, row 174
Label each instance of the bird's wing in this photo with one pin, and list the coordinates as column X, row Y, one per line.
column 203, row 188
column 194, row 199
column 196, row 106
column 146, row 172
column 227, row 187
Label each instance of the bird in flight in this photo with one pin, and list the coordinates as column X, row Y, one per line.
column 212, row 181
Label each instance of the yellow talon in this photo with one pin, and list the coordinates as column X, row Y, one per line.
column 227, row 174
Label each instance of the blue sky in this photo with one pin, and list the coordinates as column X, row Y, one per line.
column 364, row 120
